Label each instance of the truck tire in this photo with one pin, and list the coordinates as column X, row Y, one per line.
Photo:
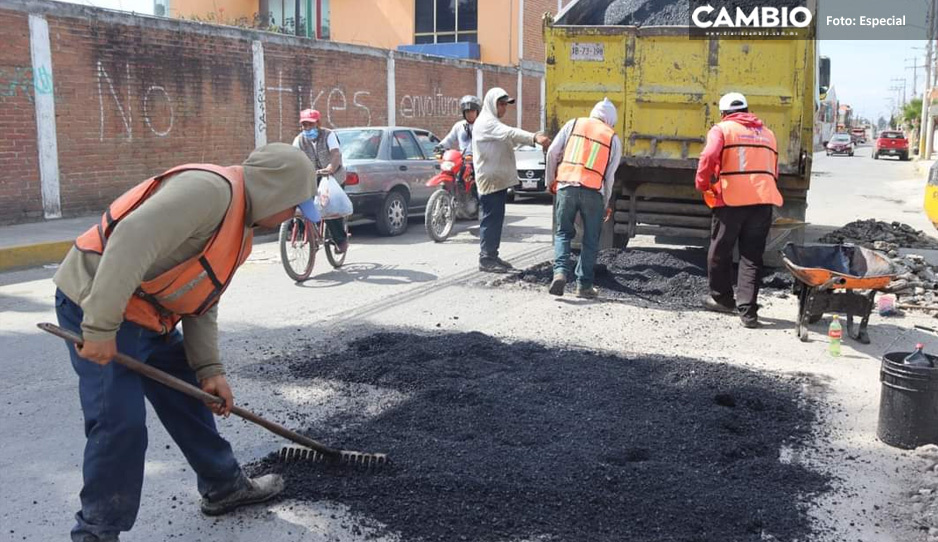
column 904, row 157
column 875, row 155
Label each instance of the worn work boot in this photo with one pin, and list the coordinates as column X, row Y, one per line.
column 557, row 285
column 493, row 265
column 503, row 263
column 252, row 491
column 750, row 321
column 589, row 292
column 712, row 304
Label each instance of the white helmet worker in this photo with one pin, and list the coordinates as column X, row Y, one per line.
column 733, row 101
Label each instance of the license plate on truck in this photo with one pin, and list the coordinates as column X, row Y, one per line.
column 528, row 185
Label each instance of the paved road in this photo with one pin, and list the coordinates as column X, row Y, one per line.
column 844, row 189
column 409, row 282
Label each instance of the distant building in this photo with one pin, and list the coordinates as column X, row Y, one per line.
column 505, row 32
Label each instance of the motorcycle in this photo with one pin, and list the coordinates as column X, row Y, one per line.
column 456, row 198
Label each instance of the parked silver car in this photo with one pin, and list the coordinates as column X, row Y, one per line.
column 388, row 169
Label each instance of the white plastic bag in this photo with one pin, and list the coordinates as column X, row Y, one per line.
column 332, row 200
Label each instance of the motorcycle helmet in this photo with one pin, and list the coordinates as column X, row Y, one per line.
column 469, row 103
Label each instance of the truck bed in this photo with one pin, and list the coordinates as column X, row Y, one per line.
column 666, row 87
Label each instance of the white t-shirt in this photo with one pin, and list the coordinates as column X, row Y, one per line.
column 332, row 141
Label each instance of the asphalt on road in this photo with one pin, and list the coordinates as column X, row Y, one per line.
column 412, row 286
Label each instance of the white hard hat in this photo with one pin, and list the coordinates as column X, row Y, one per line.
column 733, row 101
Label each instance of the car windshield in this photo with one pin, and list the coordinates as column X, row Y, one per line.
column 891, row 135
column 359, row 144
column 840, row 138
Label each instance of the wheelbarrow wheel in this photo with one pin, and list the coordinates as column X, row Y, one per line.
column 802, row 328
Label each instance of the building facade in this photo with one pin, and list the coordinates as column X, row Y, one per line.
column 502, row 32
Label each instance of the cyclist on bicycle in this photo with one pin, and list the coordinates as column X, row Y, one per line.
column 322, row 147
column 460, row 136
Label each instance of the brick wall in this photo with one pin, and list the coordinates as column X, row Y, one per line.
column 348, row 89
column 534, row 11
column 131, row 102
column 428, row 94
column 135, row 95
column 20, row 197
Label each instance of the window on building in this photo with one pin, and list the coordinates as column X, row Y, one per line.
column 446, row 21
column 161, row 8
column 283, row 13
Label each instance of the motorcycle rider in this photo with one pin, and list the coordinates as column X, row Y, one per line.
column 461, row 134
column 460, row 138
column 322, row 147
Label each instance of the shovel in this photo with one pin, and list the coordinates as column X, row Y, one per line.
column 308, row 449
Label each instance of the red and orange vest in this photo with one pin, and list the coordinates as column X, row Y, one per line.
column 586, row 154
column 195, row 285
column 747, row 168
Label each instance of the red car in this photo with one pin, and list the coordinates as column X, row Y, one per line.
column 891, row 143
column 840, row 143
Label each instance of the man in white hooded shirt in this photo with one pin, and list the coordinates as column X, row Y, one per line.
column 581, row 169
column 493, row 154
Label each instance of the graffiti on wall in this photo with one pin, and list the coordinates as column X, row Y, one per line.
column 25, row 81
column 156, row 104
column 331, row 102
column 428, row 105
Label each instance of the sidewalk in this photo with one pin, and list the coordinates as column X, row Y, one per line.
column 47, row 242
column 39, row 243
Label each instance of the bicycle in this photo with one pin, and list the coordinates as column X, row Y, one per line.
column 300, row 240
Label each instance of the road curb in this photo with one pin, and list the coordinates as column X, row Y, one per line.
column 20, row 256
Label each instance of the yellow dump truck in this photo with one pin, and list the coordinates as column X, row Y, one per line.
column 666, row 86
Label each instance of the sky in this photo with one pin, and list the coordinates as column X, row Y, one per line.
column 862, row 72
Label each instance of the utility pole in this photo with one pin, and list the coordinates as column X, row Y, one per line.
column 902, row 88
column 926, row 124
column 914, row 67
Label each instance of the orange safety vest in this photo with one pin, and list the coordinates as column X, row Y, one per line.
column 195, row 285
column 747, row 168
column 586, row 154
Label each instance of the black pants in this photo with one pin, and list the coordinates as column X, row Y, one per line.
column 749, row 226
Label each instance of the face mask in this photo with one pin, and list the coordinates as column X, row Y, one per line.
column 312, row 133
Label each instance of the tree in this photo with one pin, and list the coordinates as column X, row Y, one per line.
column 882, row 123
column 912, row 112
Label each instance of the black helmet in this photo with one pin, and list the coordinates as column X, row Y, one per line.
column 469, row 103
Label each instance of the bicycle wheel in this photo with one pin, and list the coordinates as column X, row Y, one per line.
column 335, row 259
column 440, row 215
column 297, row 248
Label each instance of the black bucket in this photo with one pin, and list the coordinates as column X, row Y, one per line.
column 908, row 404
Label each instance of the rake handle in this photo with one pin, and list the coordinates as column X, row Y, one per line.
column 196, row 393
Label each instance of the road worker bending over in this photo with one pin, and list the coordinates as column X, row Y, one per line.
column 738, row 174
column 163, row 253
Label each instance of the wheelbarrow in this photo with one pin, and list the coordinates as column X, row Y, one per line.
column 840, row 279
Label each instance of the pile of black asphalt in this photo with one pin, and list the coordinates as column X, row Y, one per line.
column 500, row 441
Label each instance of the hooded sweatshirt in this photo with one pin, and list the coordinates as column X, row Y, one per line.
column 708, row 167
column 171, row 227
column 493, row 147
column 606, row 112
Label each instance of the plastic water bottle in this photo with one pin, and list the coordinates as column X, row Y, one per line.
column 835, row 332
column 918, row 358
